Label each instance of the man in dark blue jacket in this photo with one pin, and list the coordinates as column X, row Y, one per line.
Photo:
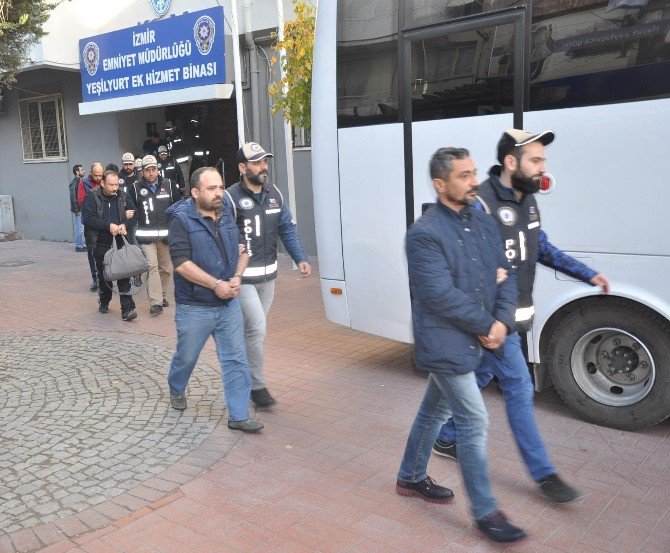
column 508, row 195
column 205, row 250
column 460, row 316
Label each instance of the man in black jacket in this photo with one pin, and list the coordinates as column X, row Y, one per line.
column 79, row 245
column 110, row 213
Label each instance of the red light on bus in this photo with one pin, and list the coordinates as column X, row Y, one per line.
column 336, row 291
column 547, row 183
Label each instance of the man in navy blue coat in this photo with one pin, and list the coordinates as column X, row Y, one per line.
column 460, row 315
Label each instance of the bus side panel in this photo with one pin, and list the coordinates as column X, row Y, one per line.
column 610, row 165
column 473, row 133
column 640, row 278
column 324, row 150
column 372, row 195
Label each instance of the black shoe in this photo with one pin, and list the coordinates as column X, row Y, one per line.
column 156, row 310
column 445, row 449
column 165, row 304
column 103, row 308
column 262, row 398
column 136, row 281
column 178, row 402
column 93, row 287
column 246, row 425
column 425, row 489
column 80, row 249
column 129, row 315
column 554, row 489
column 496, row 527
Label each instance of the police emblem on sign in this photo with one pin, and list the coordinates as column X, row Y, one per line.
column 507, row 216
column 91, row 58
column 246, row 203
column 160, row 6
column 144, row 192
column 204, row 31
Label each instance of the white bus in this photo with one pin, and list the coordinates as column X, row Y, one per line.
column 396, row 79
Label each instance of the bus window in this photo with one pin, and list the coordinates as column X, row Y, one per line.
column 590, row 52
column 427, row 12
column 367, row 62
column 463, row 74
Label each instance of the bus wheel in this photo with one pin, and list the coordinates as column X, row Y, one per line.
column 610, row 362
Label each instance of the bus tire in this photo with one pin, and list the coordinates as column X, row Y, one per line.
column 610, row 363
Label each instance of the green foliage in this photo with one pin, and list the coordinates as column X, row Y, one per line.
column 21, row 24
column 293, row 93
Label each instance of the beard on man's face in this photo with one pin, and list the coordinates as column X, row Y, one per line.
column 259, row 180
column 527, row 185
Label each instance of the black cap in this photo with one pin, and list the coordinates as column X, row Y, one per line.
column 513, row 138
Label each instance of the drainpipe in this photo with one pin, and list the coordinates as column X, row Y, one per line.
column 253, row 70
column 238, row 75
column 288, row 134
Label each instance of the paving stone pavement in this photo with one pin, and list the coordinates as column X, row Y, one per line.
column 321, row 475
column 86, row 418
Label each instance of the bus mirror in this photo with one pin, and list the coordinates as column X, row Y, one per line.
column 547, row 183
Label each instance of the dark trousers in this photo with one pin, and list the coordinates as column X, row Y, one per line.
column 105, row 287
column 91, row 265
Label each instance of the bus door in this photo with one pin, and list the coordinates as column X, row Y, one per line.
column 463, row 82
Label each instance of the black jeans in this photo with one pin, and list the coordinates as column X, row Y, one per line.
column 105, row 287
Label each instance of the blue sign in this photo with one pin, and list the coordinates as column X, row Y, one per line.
column 178, row 52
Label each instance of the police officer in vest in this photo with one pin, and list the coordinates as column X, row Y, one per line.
column 168, row 169
column 153, row 194
column 261, row 215
column 508, row 194
column 127, row 175
column 177, row 147
column 108, row 213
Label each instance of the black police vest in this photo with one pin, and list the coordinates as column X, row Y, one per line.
column 167, row 170
column 177, row 148
column 259, row 224
column 126, row 181
column 152, row 221
column 519, row 226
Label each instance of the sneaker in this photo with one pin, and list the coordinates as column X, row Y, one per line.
column 178, row 402
column 93, row 287
column 425, row 489
column 262, row 398
column 156, row 310
column 165, row 303
column 246, row 425
column 79, row 250
column 554, row 489
column 496, row 527
column 129, row 315
column 103, row 308
column 445, row 449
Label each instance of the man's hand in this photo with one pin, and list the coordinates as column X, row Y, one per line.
column 114, row 229
column 501, row 275
column 122, row 229
column 130, row 213
column 224, row 291
column 496, row 336
column 602, row 281
column 305, row 269
column 235, row 285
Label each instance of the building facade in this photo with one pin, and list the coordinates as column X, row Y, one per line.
column 107, row 75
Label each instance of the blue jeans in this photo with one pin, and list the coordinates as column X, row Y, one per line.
column 518, row 393
column 461, row 395
column 195, row 324
column 78, row 231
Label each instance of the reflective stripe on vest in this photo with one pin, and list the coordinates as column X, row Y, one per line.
column 260, row 271
column 151, row 233
column 524, row 314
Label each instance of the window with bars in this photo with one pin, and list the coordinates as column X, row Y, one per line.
column 43, row 128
